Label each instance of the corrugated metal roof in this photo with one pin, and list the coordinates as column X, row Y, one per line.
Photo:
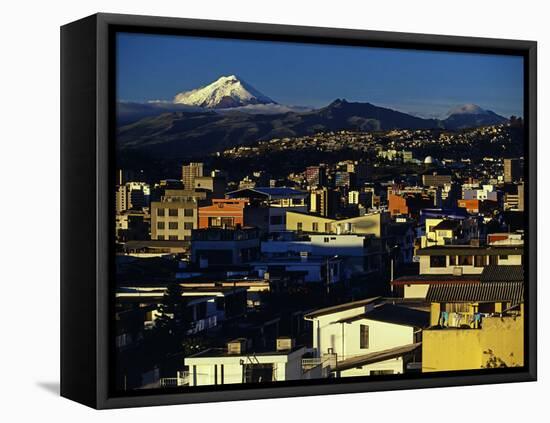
column 375, row 357
column 398, row 315
column 340, row 307
column 429, row 279
column 479, row 292
column 502, row 274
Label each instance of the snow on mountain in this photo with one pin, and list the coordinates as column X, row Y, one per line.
column 468, row 109
column 226, row 92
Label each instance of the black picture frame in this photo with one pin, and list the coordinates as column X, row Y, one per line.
column 87, row 175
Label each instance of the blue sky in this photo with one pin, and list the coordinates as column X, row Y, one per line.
column 157, row 67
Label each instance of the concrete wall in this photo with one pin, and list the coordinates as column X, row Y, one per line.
column 425, row 268
column 344, row 338
column 464, row 349
column 395, row 365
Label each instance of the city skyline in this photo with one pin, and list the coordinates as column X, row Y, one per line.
column 423, row 83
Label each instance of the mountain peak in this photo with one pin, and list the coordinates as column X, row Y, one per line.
column 227, row 91
column 470, row 116
column 468, row 109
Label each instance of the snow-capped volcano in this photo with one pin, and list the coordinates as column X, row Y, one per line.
column 470, row 116
column 227, row 91
column 468, row 109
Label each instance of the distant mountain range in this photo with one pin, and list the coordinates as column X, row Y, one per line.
column 231, row 112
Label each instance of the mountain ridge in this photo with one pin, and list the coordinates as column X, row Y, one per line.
column 201, row 132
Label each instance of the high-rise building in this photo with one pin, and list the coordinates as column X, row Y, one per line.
column 344, row 179
column 189, row 173
column 316, row 176
column 436, row 179
column 175, row 215
column 324, row 202
column 132, row 195
column 511, row 170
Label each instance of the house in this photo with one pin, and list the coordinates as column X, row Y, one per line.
column 368, row 224
column 268, row 205
column 449, row 231
column 310, row 269
column 367, row 337
column 358, row 252
column 475, row 326
column 222, row 213
column 416, row 286
column 238, row 364
column 205, row 306
column 224, row 246
column 466, row 259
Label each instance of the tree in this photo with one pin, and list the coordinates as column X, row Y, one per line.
column 171, row 324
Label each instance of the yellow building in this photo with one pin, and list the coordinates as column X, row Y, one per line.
column 368, row 224
column 474, row 326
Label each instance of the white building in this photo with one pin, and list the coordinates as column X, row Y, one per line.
column 315, row 245
column 313, row 269
column 367, row 337
column 466, row 259
column 235, row 364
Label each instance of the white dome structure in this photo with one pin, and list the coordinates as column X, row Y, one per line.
column 428, row 160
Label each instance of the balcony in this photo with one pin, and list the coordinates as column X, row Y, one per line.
column 182, row 379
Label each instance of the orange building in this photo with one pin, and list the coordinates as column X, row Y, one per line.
column 222, row 213
column 471, row 206
column 397, row 205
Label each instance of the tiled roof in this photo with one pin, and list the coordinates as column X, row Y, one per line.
column 502, row 274
column 480, row 292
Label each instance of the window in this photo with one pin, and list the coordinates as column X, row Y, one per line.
column 452, row 260
column 438, row 261
column 188, row 226
column 480, row 261
column 276, row 220
column 503, row 257
column 380, row 372
column 173, row 237
column 160, row 237
column 228, row 221
column 493, row 260
column 172, row 212
column 465, row 260
column 363, row 336
column 315, row 227
column 160, row 225
column 188, row 212
column 299, row 226
column 172, row 225
column 160, row 212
